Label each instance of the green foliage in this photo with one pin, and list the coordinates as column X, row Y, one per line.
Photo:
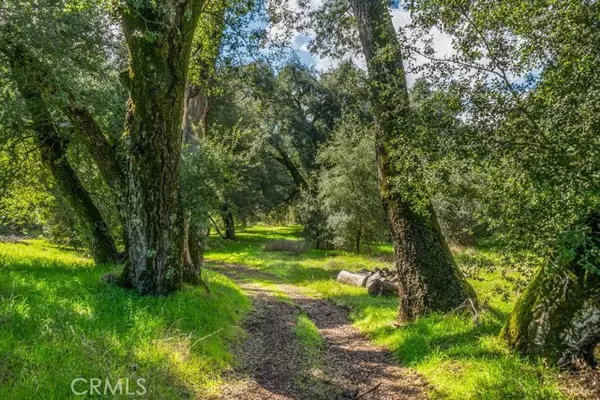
column 528, row 98
column 78, row 53
column 348, row 187
column 60, row 322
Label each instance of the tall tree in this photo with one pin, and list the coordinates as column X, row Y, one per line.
column 430, row 279
column 49, row 77
column 159, row 37
column 531, row 98
column 53, row 151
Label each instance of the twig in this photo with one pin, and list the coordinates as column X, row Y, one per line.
column 216, row 227
column 206, row 337
column 368, row 391
column 473, row 310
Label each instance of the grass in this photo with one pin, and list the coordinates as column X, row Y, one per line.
column 311, row 376
column 459, row 359
column 309, row 338
column 58, row 322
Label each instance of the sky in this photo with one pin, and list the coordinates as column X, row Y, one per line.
column 400, row 18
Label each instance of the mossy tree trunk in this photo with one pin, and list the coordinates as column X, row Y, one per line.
column 37, row 82
column 430, row 280
column 105, row 157
column 53, row 152
column 159, row 37
column 558, row 316
column 97, row 145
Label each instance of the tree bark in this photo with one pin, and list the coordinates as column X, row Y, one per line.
column 196, row 240
column 558, row 316
column 159, row 37
column 352, row 278
column 97, row 145
column 104, row 155
column 229, row 223
column 53, row 151
column 284, row 159
column 88, row 131
column 430, row 280
column 357, row 242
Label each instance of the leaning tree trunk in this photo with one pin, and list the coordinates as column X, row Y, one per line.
column 104, row 155
column 430, row 280
column 558, row 316
column 159, row 36
column 53, row 151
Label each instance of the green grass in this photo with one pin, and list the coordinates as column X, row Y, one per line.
column 311, row 374
column 460, row 360
column 58, row 322
column 308, row 337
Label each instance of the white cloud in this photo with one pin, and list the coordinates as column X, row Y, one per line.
column 442, row 44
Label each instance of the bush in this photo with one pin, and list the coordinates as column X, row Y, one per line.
column 348, row 187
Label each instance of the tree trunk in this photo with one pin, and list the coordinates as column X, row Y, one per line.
column 53, row 154
column 196, row 241
column 558, row 316
column 229, row 223
column 284, row 159
column 40, row 83
column 430, row 280
column 187, row 257
column 105, row 156
column 97, row 145
column 196, row 108
column 53, row 151
column 102, row 246
column 159, row 36
column 352, row 278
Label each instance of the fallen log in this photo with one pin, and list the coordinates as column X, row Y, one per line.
column 352, row 278
column 378, row 283
column 382, row 287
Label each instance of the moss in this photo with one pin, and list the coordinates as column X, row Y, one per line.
column 521, row 315
column 543, row 323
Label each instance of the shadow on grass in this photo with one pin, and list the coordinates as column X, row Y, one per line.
column 58, row 322
column 461, row 359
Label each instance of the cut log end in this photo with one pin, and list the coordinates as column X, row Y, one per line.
column 377, row 283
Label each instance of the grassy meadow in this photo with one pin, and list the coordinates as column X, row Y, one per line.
column 58, row 322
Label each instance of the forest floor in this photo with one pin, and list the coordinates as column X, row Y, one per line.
column 302, row 347
column 457, row 358
column 304, row 336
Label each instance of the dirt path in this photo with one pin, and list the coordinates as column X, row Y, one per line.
column 274, row 366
